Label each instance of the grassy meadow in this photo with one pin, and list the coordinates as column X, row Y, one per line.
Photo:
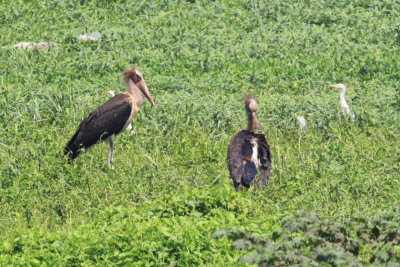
column 170, row 190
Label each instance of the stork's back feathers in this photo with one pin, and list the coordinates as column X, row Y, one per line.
column 248, row 155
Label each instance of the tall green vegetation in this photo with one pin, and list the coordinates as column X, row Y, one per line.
column 171, row 189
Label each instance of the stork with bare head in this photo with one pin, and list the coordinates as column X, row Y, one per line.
column 111, row 118
column 249, row 155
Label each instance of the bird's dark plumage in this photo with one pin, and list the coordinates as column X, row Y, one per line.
column 111, row 118
column 242, row 168
column 108, row 119
column 248, row 152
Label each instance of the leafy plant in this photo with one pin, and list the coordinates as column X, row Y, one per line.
column 306, row 239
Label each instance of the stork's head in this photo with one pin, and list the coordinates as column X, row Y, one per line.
column 134, row 75
column 339, row 86
column 250, row 104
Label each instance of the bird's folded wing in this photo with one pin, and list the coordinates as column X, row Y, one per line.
column 239, row 153
column 264, row 152
column 106, row 120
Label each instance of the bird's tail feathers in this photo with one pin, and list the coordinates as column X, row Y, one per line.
column 71, row 152
column 71, row 149
column 250, row 172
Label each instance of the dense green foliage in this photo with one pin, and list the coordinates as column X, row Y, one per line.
column 170, row 189
column 306, row 239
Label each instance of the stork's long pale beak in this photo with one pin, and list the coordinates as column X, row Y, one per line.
column 334, row 85
column 145, row 91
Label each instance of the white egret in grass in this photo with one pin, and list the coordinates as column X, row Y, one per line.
column 301, row 122
column 343, row 104
column 111, row 118
column 94, row 36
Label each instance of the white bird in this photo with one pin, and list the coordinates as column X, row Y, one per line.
column 129, row 127
column 301, row 122
column 343, row 104
column 94, row 36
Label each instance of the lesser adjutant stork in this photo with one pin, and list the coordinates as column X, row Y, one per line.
column 249, row 155
column 111, row 118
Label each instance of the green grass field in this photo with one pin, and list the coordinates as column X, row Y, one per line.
column 170, row 189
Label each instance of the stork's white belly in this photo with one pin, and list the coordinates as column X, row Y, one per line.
column 254, row 155
column 129, row 127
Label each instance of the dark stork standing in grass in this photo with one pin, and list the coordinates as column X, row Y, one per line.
column 248, row 152
column 111, row 118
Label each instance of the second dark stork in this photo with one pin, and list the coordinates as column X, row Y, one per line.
column 111, row 118
column 249, row 155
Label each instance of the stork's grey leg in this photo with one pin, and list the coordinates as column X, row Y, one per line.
column 111, row 152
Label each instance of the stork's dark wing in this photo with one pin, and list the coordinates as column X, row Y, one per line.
column 106, row 120
column 241, row 169
column 264, row 154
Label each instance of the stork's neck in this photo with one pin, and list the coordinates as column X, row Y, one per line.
column 135, row 91
column 252, row 123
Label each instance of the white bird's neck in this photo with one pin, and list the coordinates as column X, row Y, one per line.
column 343, row 102
column 135, row 91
